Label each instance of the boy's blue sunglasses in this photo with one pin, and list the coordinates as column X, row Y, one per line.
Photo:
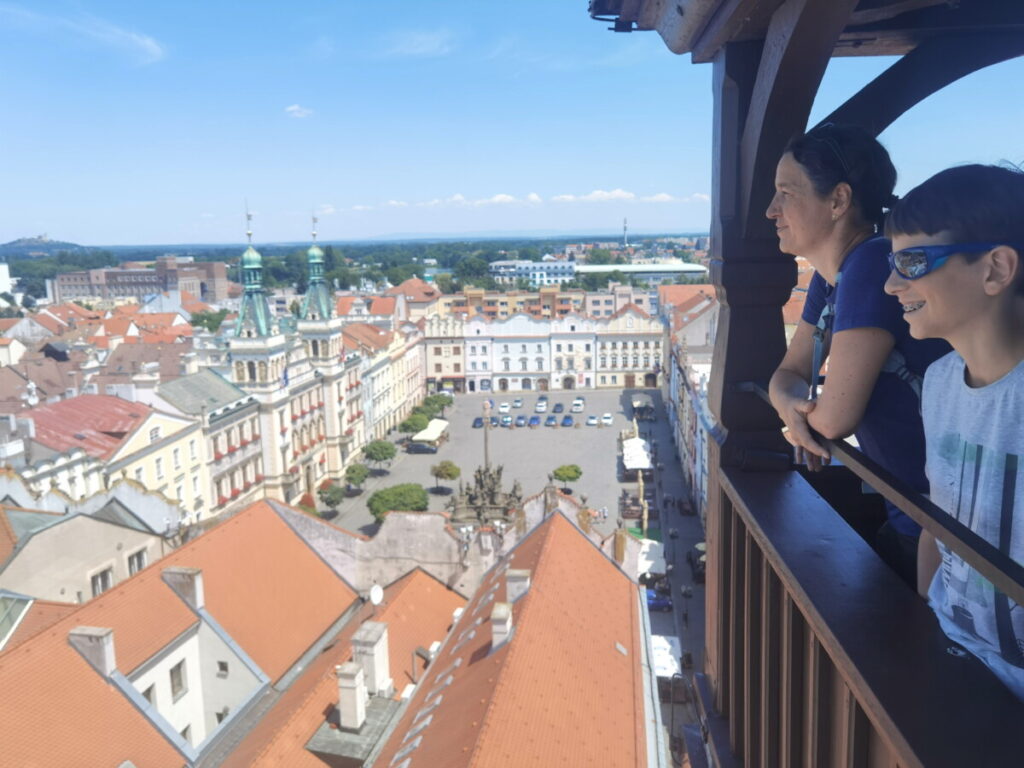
column 912, row 263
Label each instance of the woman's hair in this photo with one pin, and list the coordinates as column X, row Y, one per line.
column 831, row 154
column 973, row 203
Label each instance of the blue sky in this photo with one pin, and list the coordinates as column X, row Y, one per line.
column 153, row 122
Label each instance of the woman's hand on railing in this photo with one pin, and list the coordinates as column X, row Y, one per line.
column 794, row 412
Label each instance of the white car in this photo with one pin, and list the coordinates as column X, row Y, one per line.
column 607, row 419
column 541, row 407
column 577, row 407
column 504, row 408
column 592, row 420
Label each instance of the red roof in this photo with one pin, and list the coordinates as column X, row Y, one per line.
column 415, row 289
column 679, row 294
column 559, row 691
column 98, row 424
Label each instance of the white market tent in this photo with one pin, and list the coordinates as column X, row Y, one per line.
column 636, row 455
column 434, row 431
column 666, row 655
column 652, row 557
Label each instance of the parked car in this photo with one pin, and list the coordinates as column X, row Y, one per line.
column 607, row 419
column 577, row 407
column 506, row 421
column 478, row 422
column 567, row 421
column 551, row 421
column 541, row 407
column 592, row 420
column 517, row 403
column 520, row 420
column 494, row 421
column 542, row 399
column 535, row 421
column 504, row 408
column 420, row 448
column 559, row 408
column 656, row 602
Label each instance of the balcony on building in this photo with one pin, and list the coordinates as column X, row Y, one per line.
column 815, row 653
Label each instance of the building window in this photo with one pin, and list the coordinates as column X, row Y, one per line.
column 222, row 714
column 604, row 379
column 186, row 733
column 558, row 347
column 505, row 364
column 179, row 492
column 437, row 367
column 456, row 350
column 179, row 680
column 136, row 561
column 483, row 350
column 195, row 485
column 504, row 347
column 154, row 434
column 102, row 581
column 458, row 367
column 159, row 468
column 558, row 363
column 523, row 364
column 472, row 366
column 472, row 350
column 176, row 453
column 437, row 350
column 138, row 474
column 586, row 347
column 150, row 695
column 483, row 365
column 222, row 669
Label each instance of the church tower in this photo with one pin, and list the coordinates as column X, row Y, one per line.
column 318, row 304
column 254, row 314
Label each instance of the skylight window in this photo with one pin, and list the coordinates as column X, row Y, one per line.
column 406, row 750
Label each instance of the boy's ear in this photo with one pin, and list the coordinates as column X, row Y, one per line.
column 1004, row 266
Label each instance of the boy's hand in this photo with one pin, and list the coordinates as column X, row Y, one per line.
column 794, row 414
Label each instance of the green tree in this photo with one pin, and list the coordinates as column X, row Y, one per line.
column 444, row 283
column 567, row 473
column 379, row 451
column 416, row 422
column 331, row 496
column 446, row 470
column 600, row 256
column 437, row 402
column 406, row 497
column 209, row 320
column 472, row 268
column 356, row 474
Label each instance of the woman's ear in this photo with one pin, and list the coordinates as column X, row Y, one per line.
column 1003, row 270
column 842, row 199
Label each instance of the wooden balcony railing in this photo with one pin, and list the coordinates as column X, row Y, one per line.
column 819, row 655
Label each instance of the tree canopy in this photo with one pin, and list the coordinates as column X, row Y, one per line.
column 356, row 474
column 405, row 497
column 445, row 470
column 567, row 473
column 416, row 422
column 331, row 496
column 379, row 451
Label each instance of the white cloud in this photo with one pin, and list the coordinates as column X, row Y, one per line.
column 563, row 198
column 457, row 199
column 296, row 111
column 145, row 49
column 602, row 195
column 699, row 197
column 396, row 204
column 661, row 197
column 326, row 209
column 533, row 197
column 420, row 43
column 362, row 207
column 499, row 199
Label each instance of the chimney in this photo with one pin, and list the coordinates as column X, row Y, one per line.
column 351, row 695
column 96, row 644
column 187, row 583
column 501, row 623
column 517, row 584
column 371, row 651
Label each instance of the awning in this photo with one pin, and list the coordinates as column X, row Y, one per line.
column 636, row 455
column 666, row 652
column 432, row 433
column 652, row 557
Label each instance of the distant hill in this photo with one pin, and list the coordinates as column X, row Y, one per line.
column 41, row 245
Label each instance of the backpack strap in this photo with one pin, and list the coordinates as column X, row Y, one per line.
column 896, row 364
column 821, row 332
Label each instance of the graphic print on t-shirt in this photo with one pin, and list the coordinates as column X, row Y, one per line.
column 974, row 605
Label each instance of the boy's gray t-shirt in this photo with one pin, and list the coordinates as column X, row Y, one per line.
column 975, row 441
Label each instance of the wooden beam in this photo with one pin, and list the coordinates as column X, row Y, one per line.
column 930, row 67
column 732, row 20
column 800, row 40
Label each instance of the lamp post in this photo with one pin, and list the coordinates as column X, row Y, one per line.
column 488, row 404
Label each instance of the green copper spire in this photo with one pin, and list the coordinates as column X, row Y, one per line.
column 254, row 314
column 318, row 304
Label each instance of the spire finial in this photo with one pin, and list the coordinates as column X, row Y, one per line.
column 315, row 220
column 248, row 222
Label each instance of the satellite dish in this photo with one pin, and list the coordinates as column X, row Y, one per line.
column 376, row 594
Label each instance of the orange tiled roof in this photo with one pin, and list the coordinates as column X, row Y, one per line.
column 415, row 289
column 158, row 319
column 678, row 294
column 41, row 615
column 417, row 609
column 6, row 323
column 368, row 335
column 382, row 305
column 539, row 698
column 631, row 307
column 269, row 590
column 49, row 322
column 103, row 421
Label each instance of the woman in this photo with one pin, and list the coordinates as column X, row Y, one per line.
column 831, row 186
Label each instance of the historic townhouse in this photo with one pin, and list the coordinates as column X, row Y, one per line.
column 444, row 353
column 630, row 347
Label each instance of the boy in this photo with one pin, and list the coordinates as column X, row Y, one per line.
column 957, row 243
